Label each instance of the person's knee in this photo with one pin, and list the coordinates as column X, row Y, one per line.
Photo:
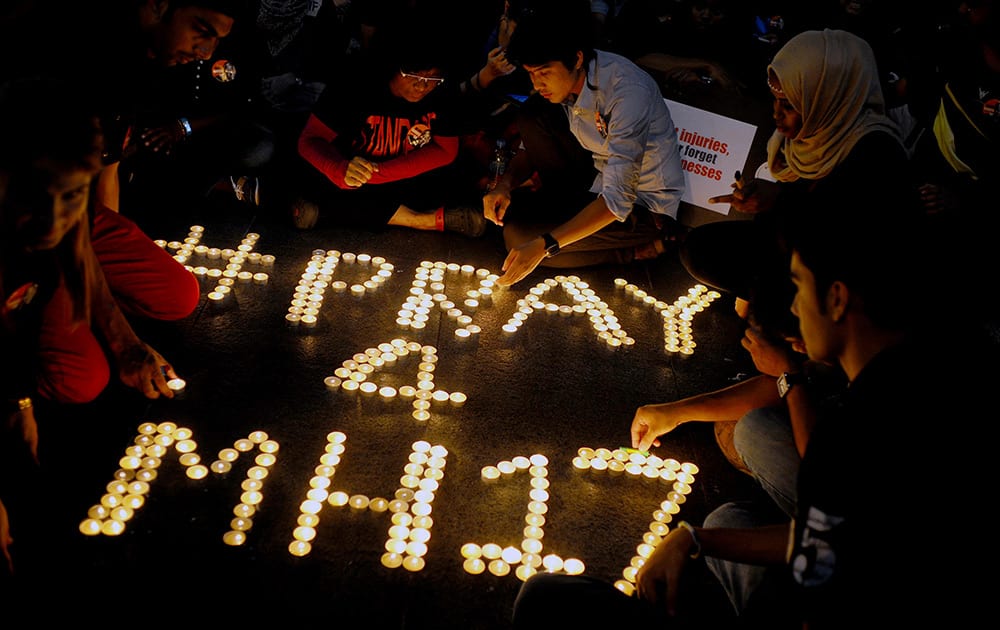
column 743, row 435
column 186, row 293
column 83, row 386
column 752, row 433
column 732, row 514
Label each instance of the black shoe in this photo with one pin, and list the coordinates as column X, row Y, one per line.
column 467, row 221
column 305, row 214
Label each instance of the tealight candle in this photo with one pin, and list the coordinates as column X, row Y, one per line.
column 297, row 548
column 112, row 527
column 392, row 560
column 413, row 563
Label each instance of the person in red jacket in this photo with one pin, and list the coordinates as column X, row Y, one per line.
column 382, row 153
column 62, row 331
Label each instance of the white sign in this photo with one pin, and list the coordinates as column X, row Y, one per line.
column 712, row 148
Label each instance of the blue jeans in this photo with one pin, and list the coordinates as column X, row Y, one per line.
column 764, row 439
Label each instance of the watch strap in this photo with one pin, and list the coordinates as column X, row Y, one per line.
column 551, row 245
column 788, row 380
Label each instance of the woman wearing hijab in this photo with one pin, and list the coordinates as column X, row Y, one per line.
column 831, row 135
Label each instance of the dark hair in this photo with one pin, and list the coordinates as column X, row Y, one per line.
column 54, row 120
column 879, row 248
column 413, row 41
column 553, row 32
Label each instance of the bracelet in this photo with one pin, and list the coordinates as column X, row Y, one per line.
column 186, row 125
column 474, row 81
column 694, row 538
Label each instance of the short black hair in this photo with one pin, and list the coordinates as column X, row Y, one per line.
column 414, row 41
column 880, row 248
column 553, row 31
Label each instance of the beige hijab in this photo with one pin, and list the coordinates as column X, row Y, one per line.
column 830, row 78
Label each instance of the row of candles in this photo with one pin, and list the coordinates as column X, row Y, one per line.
column 410, row 507
column 585, row 302
column 649, row 466
column 677, row 317
column 317, row 278
column 139, row 465
column 235, row 259
column 354, row 375
column 427, row 291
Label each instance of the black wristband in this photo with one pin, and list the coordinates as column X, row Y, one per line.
column 551, row 245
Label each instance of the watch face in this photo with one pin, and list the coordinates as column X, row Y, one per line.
column 783, row 385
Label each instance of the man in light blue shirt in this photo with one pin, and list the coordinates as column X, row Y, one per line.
column 616, row 113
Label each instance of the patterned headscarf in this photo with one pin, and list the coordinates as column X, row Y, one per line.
column 281, row 21
column 830, row 78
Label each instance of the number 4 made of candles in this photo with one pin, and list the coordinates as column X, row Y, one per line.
column 355, row 375
column 126, row 492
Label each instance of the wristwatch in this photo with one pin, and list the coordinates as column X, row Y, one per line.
column 551, row 245
column 788, row 380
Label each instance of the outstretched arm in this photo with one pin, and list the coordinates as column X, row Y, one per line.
column 523, row 259
column 722, row 405
column 139, row 366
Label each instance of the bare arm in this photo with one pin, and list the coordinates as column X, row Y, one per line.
column 658, row 580
column 523, row 259
column 726, row 404
column 139, row 366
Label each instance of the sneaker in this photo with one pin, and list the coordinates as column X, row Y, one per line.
column 305, row 214
column 247, row 189
column 467, row 221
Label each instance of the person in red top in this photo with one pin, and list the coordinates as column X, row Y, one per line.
column 62, row 332
column 383, row 154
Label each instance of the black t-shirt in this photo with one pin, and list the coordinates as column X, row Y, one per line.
column 371, row 122
column 882, row 475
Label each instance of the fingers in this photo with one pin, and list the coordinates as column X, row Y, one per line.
column 168, row 371
column 156, row 385
column 722, row 199
column 638, row 431
column 507, row 279
column 495, row 207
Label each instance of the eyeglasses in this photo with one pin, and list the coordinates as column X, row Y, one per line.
column 434, row 81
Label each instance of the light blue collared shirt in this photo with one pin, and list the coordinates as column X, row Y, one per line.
column 622, row 119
